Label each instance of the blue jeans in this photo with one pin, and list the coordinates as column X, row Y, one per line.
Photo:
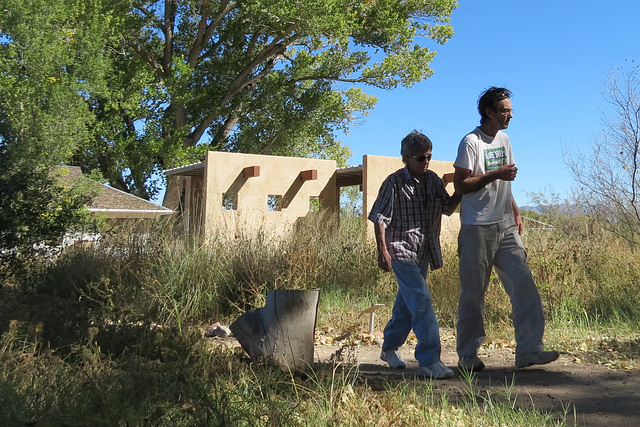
column 413, row 310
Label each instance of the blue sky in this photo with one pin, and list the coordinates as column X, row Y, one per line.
column 553, row 55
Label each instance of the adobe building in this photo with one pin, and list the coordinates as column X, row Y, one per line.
column 236, row 194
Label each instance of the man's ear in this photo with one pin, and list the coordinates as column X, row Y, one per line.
column 489, row 112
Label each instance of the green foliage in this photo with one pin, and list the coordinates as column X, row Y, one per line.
column 36, row 210
column 48, row 64
column 50, row 60
column 351, row 202
column 151, row 85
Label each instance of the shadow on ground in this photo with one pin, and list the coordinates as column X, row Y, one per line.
column 600, row 396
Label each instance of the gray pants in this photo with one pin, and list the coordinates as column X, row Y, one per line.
column 481, row 247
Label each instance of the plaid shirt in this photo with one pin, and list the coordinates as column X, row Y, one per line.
column 411, row 213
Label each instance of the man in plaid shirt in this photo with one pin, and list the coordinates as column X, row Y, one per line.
column 407, row 215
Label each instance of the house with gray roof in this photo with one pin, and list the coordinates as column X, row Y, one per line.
column 116, row 204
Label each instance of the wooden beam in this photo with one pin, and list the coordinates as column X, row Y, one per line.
column 347, row 181
column 251, row 171
column 309, row 175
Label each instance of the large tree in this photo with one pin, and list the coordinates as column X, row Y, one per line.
column 608, row 177
column 49, row 62
column 257, row 76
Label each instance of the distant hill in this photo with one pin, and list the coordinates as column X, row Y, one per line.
column 535, row 209
column 561, row 209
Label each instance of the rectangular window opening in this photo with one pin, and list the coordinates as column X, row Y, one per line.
column 274, row 203
column 314, row 204
column 230, row 201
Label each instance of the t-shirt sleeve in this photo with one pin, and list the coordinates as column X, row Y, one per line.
column 466, row 154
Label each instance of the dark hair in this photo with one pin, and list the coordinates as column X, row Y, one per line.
column 489, row 99
column 415, row 142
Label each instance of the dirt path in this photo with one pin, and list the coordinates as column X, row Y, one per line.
column 600, row 396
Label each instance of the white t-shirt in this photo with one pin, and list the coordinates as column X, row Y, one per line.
column 482, row 153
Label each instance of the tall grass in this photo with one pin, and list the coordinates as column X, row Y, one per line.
column 112, row 334
column 581, row 269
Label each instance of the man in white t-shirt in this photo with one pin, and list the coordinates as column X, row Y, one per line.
column 490, row 238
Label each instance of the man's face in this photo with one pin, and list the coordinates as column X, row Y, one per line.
column 418, row 163
column 502, row 115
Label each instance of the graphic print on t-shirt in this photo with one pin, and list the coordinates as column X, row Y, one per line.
column 494, row 158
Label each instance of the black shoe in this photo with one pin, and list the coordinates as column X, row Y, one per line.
column 470, row 364
column 540, row 358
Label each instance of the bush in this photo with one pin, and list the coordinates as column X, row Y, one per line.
column 36, row 210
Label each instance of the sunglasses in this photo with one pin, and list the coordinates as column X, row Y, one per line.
column 422, row 158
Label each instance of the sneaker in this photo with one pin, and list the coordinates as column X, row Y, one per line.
column 392, row 357
column 435, row 371
column 540, row 358
column 470, row 364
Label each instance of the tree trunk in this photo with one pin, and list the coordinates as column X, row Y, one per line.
column 283, row 329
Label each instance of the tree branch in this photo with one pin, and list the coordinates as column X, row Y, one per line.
column 241, row 82
column 167, row 30
column 205, row 32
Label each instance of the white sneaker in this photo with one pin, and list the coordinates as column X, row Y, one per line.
column 436, row 371
column 392, row 357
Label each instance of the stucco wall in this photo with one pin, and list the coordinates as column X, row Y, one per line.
column 278, row 176
column 201, row 187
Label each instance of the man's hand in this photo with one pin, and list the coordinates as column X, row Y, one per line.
column 519, row 223
column 507, row 172
column 384, row 260
column 516, row 216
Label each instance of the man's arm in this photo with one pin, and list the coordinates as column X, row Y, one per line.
column 454, row 201
column 465, row 183
column 384, row 259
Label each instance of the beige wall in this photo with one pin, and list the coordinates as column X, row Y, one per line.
column 377, row 168
column 279, row 176
column 203, row 185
